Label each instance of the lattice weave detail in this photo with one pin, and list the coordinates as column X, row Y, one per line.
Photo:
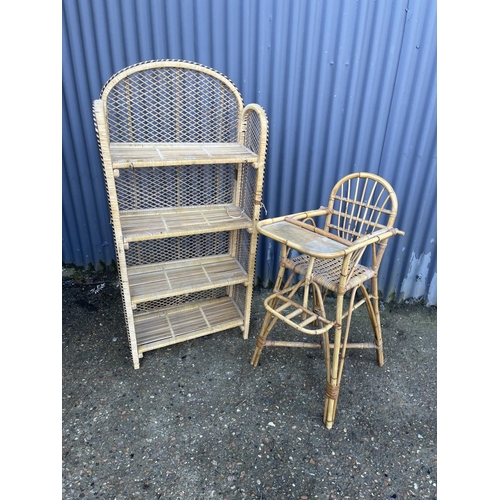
column 171, row 105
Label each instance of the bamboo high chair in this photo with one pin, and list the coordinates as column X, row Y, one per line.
column 359, row 216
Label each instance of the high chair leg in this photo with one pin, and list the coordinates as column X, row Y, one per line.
column 267, row 326
column 269, row 319
column 371, row 302
column 333, row 375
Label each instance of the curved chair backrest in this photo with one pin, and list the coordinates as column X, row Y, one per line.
column 172, row 101
column 360, row 204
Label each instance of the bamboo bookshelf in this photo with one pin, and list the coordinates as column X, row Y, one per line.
column 183, row 162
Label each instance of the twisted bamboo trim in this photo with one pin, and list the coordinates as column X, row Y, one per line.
column 250, row 130
column 102, row 133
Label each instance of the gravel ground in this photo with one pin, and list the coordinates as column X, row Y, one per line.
column 197, row 421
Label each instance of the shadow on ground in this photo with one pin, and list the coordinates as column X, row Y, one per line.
column 197, row 421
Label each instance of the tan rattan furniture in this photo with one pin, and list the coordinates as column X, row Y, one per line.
column 184, row 166
column 359, row 217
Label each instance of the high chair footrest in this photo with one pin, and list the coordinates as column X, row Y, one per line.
column 297, row 316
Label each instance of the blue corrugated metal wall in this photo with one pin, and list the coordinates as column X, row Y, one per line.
column 347, row 85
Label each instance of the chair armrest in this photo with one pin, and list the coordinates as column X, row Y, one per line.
column 297, row 216
column 375, row 237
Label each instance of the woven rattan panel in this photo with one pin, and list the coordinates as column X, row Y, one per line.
column 253, row 135
column 249, row 186
column 172, row 105
column 188, row 185
column 326, row 272
column 188, row 298
column 181, row 248
column 242, row 248
column 238, row 293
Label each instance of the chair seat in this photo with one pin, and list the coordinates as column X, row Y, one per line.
column 326, row 272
